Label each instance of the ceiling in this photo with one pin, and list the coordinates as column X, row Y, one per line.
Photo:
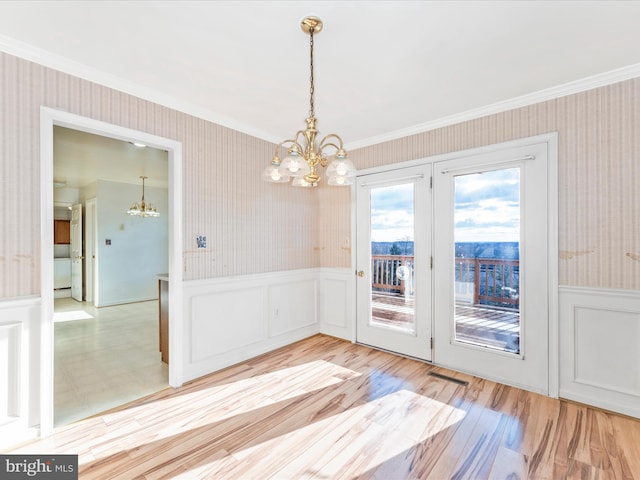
column 381, row 66
column 81, row 158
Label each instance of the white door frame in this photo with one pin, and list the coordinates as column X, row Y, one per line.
column 551, row 139
column 76, row 251
column 90, row 249
column 48, row 118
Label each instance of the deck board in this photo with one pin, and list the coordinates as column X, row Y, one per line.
column 496, row 327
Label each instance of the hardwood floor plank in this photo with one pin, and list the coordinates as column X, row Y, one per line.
column 479, row 455
column 324, row 408
column 509, row 465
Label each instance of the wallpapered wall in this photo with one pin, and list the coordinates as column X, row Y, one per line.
column 598, row 175
column 251, row 226
column 255, row 227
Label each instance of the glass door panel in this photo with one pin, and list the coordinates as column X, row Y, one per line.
column 486, row 213
column 392, row 259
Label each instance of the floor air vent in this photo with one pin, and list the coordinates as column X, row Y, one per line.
column 448, row 378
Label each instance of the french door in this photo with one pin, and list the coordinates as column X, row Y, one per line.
column 491, row 255
column 394, row 261
column 452, row 264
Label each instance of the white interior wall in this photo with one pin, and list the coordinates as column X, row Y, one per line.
column 139, row 247
column 88, row 191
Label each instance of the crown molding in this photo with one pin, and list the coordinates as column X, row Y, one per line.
column 588, row 83
column 57, row 62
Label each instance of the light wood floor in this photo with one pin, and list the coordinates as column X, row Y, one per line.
column 327, row 409
column 104, row 357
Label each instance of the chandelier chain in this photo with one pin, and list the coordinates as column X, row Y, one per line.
column 311, row 90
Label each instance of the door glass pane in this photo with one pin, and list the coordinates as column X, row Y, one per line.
column 392, row 260
column 487, row 252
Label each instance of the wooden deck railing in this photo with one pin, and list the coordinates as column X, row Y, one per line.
column 487, row 281
column 384, row 273
column 495, row 281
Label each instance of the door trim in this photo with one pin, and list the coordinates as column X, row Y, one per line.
column 48, row 118
column 551, row 139
column 90, row 250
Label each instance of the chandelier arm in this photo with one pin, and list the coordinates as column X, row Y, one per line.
column 329, row 144
column 323, row 147
column 324, row 142
column 331, row 135
column 297, row 135
column 289, row 141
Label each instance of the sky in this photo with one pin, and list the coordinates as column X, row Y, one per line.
column 487, row 209
column 392, row 213
column 487, row 206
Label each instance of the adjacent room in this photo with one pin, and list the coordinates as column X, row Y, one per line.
column 109, row 259
column 321, row 239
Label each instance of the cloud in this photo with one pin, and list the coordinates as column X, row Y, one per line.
column 487, row 206
column 392, row 213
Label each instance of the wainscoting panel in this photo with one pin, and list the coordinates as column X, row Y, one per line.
column 224, row 321
column 600, row 348
column 336, row 302
column 10, row 362
column 19, row 370
column 292, row 306
column 228, row 320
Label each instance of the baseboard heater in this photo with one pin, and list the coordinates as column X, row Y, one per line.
column 448, row 378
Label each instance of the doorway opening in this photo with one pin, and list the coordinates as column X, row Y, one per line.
column 107, row 356
column 106, row 295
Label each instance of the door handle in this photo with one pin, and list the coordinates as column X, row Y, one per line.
column 360, row 273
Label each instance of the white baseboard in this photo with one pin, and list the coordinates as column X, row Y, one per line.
column 62, row 293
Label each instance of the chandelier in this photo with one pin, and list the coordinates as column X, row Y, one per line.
column 304, row 152
column 143, row 209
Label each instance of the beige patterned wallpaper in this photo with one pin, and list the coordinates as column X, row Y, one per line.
column 255, row 227
column 598, row 174
column 251, row 226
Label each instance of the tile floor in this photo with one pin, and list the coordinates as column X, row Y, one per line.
column 104, row 357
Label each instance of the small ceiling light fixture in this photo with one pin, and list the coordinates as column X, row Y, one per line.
column 138, row 144
column 143, row 209
column 301, row 162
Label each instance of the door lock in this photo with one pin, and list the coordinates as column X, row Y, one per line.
column 360, row 273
